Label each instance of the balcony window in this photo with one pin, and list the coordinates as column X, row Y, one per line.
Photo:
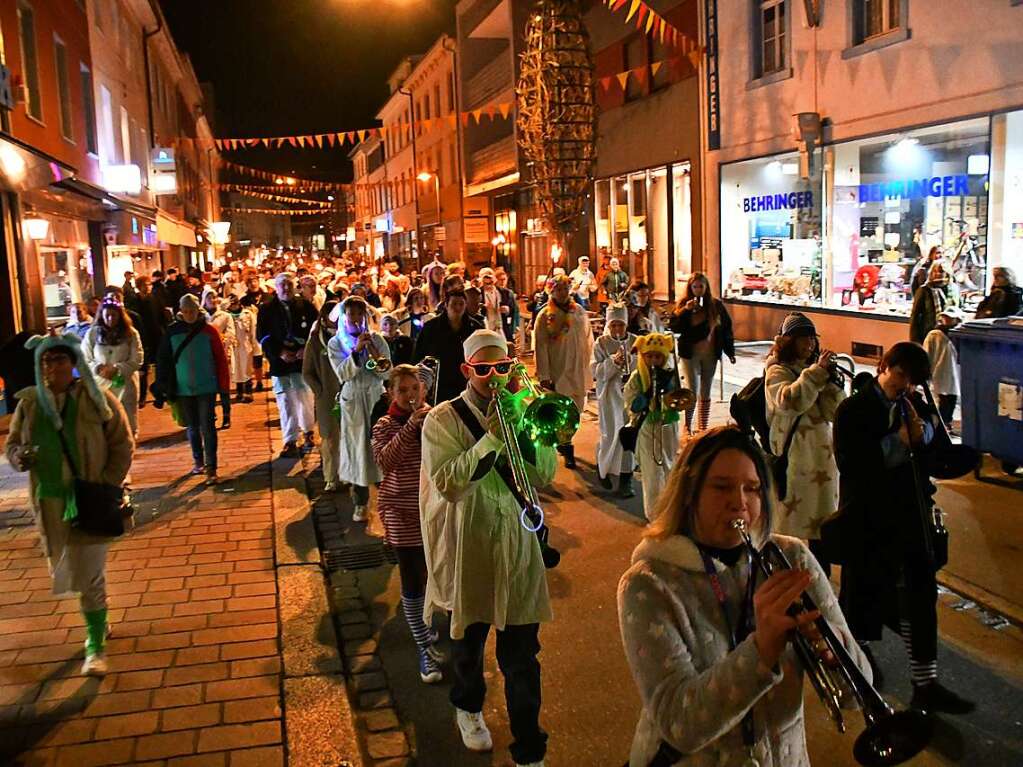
column 29, row 60
column 63, row 90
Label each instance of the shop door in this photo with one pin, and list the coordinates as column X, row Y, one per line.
column 536, row 257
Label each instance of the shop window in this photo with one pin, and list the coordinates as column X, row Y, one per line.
column 1006, row 204
column 874, row 24
column 89, row 109
column 635, row 56
column 63, row 89
column 682, row 224
column 29, row 60
column 602, row 214
column 770, row 25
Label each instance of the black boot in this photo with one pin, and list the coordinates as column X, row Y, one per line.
column 625, row 485
column 932, row 697
column 569, row 452
column 238, row 392
column 875, row 667
column 247, row 388
column 605, row 482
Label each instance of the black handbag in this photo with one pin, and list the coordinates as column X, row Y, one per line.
column 101, row 507
column 779, row 464
column 945, row 459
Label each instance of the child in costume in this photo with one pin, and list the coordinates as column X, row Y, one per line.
column 646, row 399
column 611, row 365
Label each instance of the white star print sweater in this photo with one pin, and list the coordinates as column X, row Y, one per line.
column 695, row 690
column 812, row 493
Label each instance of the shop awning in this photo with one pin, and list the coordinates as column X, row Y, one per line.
column 23, row 167
column 174, row 232
column 109, row 201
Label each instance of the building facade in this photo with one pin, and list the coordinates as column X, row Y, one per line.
column 842, row 148
column 645, row 201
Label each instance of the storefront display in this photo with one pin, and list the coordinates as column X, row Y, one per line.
column 852, row 233
column 644, row 219
column 65, row 263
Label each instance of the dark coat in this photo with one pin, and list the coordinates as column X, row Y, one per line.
column 282, row 328
column 438, row 339
column 882, row 525
column 928, row 303
column 1001, row 302
column 152, row 323
column 690, row 334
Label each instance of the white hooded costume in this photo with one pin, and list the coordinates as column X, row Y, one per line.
column 360, row 390
column 243, row 327
column 607, row 374
column 562, row 341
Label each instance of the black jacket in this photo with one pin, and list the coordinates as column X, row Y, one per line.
column 152, row 322
column 883, row 526
column 1001, row 302
column 690, row 334
column 284, row 327
column 401, row 349
column 438, row 339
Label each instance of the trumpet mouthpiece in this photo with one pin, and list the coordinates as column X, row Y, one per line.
column 738, row 524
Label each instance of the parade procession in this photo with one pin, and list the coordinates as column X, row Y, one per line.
column 677, row 345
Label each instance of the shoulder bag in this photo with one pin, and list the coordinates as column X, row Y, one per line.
column 101, row 507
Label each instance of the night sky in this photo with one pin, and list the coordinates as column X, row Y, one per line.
column 285, row 67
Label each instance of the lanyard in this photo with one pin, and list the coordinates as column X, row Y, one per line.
column 742, row 629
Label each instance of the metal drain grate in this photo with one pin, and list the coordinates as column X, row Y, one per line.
column 358, row 556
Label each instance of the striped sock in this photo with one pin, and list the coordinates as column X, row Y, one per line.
column 689, row 419
column 704, row 415
column 922, row 672
column 413, row 609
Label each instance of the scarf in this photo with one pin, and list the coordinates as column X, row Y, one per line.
column 558, row 318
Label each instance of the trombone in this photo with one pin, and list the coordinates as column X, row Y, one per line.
column 549, row 419
column 432, row 364
column 891, row 737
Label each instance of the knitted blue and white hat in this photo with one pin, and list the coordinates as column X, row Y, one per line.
column 44, row 396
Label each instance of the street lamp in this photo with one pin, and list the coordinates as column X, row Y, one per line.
column 425, row 176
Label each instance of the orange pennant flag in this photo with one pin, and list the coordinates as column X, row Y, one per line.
column 330, row 139
column 694, row 57
column 622, row 78
column 465, row 118
column 655, row 68
column 650, row 21
column 490, row 110
column 340, row 138
column 640, row 74
column 632, row 10
column 605, row 82
column 362, row 135
column 319, row 140
column 476, row 115
column 644, row 10
column 505, row 109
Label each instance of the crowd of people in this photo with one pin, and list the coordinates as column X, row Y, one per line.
column 399, row 372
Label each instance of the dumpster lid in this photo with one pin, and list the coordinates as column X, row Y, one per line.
column 1010, row 326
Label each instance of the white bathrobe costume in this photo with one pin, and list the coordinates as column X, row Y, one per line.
column 611, row 457
column 127, row 357
column 564, row 356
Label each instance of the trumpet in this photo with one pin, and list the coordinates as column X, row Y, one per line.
column 431, row 364
column 626, row 353
column 375, row 361
column 677, row 399
column 891, row 737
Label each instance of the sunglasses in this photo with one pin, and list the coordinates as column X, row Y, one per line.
column 487, row 369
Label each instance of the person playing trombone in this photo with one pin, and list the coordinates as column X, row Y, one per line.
column 361, row 361
column 709, row 643
column 484, row 565
column 611, row 367
column 653, row 394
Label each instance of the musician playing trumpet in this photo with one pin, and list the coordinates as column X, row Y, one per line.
column 709, row 643
column 484, row 566
column 652, row 403
column 611, row 367
column 360, row 359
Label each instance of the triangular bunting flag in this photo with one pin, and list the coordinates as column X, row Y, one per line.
column 605, row 82
column 643, row 12
column 340, row 138
column 640, row 75
column 622, row 78
column 362, row 135
column 632, row 10
column 319, row 140
column 476, row 115
column 694, row 58
column 330, row 139
column 490, row 110
column 650, row 21
column 655, row 68
column 465, row 118
column 505, row 109
column 292, row 140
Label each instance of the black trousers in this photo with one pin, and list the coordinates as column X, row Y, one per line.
column 947, row 406
column 412, row 570
column 517, row 648
column 915, row 599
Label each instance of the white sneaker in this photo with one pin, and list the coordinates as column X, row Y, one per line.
column 95, row 665
column 360, row 514
column 475, row 734
column 531, row 764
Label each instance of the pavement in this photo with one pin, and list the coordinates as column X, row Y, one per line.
column 222, row 652
column 255, row 624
